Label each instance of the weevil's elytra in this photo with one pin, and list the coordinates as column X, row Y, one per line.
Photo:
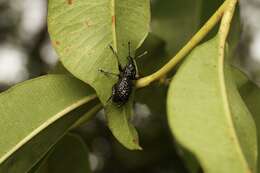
column 122, row 89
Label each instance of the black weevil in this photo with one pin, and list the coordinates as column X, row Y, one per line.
column 122, row 89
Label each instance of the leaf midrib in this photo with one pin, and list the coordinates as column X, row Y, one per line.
column 113, row 23
column 226, row 105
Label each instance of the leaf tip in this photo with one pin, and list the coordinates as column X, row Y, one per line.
column 137, row 145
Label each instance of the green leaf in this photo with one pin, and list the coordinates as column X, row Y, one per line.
column 60, row 69
column 250, row 93
column 210, row 120
column 33, row 118
column 118, row 122
column 75, row 160
column 81, row 32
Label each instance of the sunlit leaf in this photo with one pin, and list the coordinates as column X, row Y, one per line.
column 81, row 32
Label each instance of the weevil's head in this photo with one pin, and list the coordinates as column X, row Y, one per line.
column 130, row 69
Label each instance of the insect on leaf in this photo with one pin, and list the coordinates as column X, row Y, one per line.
column 81, row 32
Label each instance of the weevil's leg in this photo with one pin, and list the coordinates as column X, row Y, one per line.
column 129, row 59
column 108, row 102
column 109, row 99
column 143, row 54
column 108, row 73
column 114, row 52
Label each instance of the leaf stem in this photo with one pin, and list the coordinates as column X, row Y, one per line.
column 214, row 19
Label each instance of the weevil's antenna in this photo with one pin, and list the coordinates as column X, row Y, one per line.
column 129, row 52
column 143, row 54
column 108, row 73
column 114, row 52
column 108, row 100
